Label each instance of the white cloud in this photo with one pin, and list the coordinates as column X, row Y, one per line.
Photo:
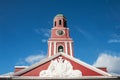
column 111, row 62
column 115, row 37
column 114, row 41
column 44, row 32
column 44, row 40
column 34, row 58
column 37, row 31
column 31, row 59
column 84, row 33
column 47, row 34
column 21, row 62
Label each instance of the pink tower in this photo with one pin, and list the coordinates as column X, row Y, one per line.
column 60, row 41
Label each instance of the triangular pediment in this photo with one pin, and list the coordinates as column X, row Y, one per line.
column 69, row 63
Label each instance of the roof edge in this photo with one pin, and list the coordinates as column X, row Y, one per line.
column 70, row 57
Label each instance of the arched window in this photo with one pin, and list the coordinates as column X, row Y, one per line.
column 65, row 24
column 55, row 23
column 60, row 49
column 59, row 22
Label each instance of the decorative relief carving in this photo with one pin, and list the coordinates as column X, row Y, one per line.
column 60, row 68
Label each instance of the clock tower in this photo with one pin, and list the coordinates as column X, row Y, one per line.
column 60, row 41
column 60, row 63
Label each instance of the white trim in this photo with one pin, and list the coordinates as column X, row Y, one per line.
column 54, row 48
column 59, row 28
column 5, row 77
column 50, row 48
column 60, row 41
column 69, row 57
column 66, row 49
column 87, row 65
column 81, row 78
column 21, row 66
column 70, row 48
column 36, row 64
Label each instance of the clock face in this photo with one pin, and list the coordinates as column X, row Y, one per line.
column 60, row 32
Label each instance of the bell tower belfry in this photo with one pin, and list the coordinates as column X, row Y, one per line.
column 60, row 41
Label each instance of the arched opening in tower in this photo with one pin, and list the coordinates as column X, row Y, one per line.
column 55, row 23
column 60, row 49
column 60, row 22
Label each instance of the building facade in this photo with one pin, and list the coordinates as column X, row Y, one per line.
column 60, row 62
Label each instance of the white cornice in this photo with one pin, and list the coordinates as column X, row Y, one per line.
column 71, row 58
column 81, row 78
column 36, row 64
column 88, row 66
column 60, row 39
column 59, row 28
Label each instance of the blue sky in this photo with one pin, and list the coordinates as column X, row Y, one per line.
column 25, row 27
